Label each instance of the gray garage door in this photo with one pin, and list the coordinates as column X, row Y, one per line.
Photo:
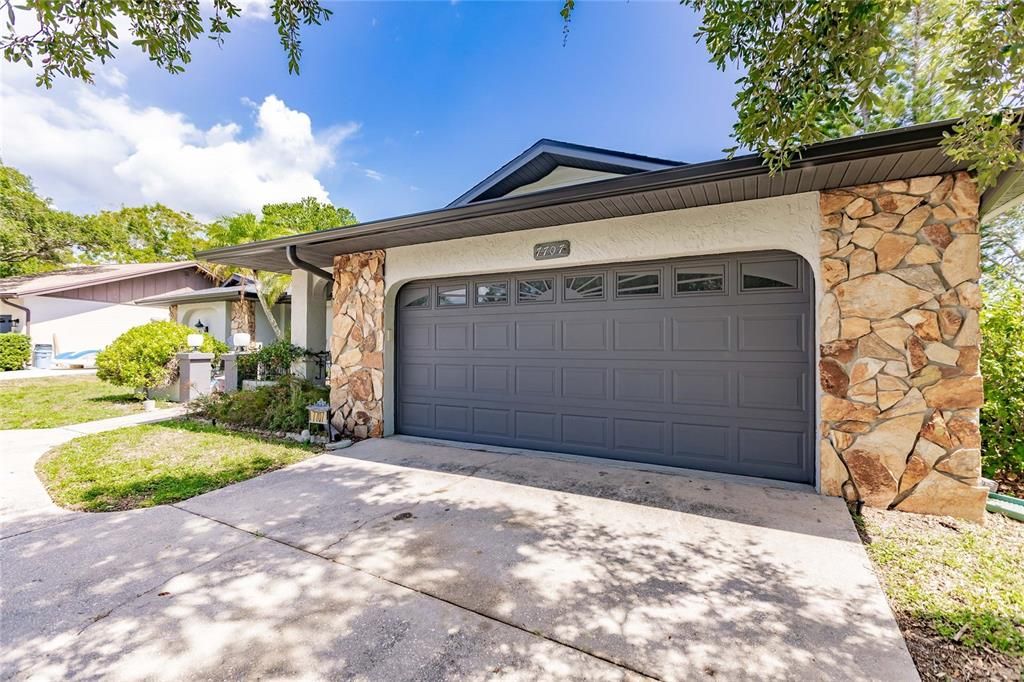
column 701, row 363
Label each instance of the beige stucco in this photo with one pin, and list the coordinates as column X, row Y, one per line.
column 562, row 176
column 789, row 223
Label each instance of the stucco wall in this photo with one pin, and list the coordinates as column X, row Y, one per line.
column 790, row 223
column 216, row 315
column 74, row 325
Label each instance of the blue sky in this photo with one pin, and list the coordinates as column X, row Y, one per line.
column 409, row 105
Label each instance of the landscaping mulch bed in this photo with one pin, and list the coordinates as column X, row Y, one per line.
column 957, row 590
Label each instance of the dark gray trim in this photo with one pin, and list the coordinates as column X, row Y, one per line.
column 875, row 157
column 545, row 155
column 291, row 252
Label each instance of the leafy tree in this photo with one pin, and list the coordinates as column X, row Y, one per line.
column 276, row 220
column 67, row 37
column 1002, row 364
column 813, row 67
column 146, row 234
column 1002, row 247
column 34, row 236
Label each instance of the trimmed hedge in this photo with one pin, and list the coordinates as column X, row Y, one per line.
column 281, row 407
column 15, row 351
column 143, row 357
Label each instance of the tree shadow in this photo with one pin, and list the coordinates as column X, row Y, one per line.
column 440, row 575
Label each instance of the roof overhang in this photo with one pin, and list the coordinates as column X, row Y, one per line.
column 90, row 276
column 211, row 295
column 874, row 157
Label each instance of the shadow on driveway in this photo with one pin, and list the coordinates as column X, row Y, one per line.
column 401, row 560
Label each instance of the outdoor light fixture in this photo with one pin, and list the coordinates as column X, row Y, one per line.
column 320, row 413
column 240, row 340
column 194, row 340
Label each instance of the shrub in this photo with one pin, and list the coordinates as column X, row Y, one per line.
column 143, row 357
column 281, row 407
column 15, row 351
column 270, row 362
column 1002, row 365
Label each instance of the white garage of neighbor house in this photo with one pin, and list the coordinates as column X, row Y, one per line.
column 83, row 308
column 819, row 325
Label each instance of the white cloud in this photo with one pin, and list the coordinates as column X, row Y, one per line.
column 373, row 175
column 89, row 150
column 112, row 76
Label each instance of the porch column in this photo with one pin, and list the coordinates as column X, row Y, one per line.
column 357, row 344
column 308, row 318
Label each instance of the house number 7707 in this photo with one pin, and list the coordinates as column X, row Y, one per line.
column 551, row 250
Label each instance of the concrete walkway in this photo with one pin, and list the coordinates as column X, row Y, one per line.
column 24, row 504
column 33, row 373
column 405, row 561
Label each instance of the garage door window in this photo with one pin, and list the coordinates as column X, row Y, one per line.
column 629, row 284
column 773, row 274
column 491, row 293
column 536, row 291
column 451, row 295
column 583, row 287
column 415, row 297
column 697, row 280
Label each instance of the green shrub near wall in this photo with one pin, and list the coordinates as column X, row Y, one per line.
column 15, row 351
column 1002, row 366
column 143, row 357
column 281, row 407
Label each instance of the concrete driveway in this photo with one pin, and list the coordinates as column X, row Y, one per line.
column 397, row 560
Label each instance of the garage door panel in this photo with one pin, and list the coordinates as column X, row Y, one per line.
column 702, row 387
column 719, row 382
column 702, row 333
column 585, row 335
column 492, row 336
column 638, row 335
column 782, row 332
column 536, row 336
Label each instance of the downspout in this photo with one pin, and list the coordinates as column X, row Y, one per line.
column 291, row 253
column 28, row 314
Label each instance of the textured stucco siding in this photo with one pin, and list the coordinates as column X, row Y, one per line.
column 75, row 325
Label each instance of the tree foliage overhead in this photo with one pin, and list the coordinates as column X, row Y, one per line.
column 33, row 234
column 814, row 68
column 275, row 220
column 67, row 37
column 143, row 234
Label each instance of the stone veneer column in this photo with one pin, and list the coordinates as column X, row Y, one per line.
column 243, row 317
column 357, row 344
column 900, row 344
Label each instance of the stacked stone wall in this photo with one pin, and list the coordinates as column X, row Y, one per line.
column 243, row 317
column 357, row 344
column 899, row 345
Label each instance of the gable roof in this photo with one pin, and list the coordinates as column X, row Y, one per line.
column 545, row 155
column 83, row 276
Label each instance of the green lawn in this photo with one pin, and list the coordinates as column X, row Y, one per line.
column 957, row 589
column 61, row 400
column 143, row 466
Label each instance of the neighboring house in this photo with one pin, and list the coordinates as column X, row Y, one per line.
column 817, row 326
column 226, row 310
column 83, row 308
